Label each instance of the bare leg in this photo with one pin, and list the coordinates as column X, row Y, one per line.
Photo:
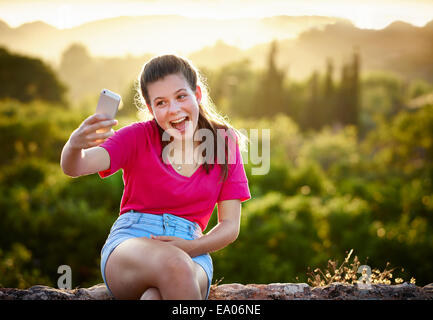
column 202, row 280
column 151, row 294
column 138, row 264
column 178, row 281
column 154, row 294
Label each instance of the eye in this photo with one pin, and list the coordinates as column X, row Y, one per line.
column 160, row 103
column 181, row 96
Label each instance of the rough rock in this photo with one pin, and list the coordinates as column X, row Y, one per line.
column 236, row 291
column 333, row 291
column 97, row 292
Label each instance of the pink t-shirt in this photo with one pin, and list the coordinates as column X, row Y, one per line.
column 152, row 186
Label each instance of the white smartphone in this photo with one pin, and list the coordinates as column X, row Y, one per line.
column 108, row 103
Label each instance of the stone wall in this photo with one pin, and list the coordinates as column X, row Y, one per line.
column 280, row 291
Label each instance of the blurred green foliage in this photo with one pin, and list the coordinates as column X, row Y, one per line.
column 53, row 219
column 336, row 194
column 26, row 79
column 327, row 190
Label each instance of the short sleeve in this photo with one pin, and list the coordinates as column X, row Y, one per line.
column 236, row 184
column 121, row 147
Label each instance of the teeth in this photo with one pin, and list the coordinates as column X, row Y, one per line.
column 178, row 121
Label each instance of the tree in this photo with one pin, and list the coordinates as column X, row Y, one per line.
column 78, row 70
column 76, row 56
column 329, row 91
column 232, row 87
column 347, row 109
column 353, row 116
column 270, row 97
column 26, row 79
column 312, row 115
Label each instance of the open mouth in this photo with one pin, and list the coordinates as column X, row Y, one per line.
column 179, row 124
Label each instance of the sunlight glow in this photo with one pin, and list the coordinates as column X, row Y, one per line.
column 67, row 13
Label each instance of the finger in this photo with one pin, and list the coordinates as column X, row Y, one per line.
column 99, row 141
column 99, row 136
column 162, row 238
column 100, row 124
column 95, row 118
column 90, row 144
column 93, row 144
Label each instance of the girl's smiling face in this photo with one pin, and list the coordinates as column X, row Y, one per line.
column 175, row 105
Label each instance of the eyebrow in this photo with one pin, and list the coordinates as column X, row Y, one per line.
column 174, row 93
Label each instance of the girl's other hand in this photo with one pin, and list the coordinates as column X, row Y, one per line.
column 185, row 245
column 88, row 134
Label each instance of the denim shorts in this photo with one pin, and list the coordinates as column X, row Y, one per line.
column 135, row 224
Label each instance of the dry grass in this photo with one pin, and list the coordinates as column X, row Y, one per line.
column 347, row 273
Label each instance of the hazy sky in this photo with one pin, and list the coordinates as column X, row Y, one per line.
column 68, row 13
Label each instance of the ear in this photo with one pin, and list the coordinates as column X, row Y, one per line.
column 198, row 93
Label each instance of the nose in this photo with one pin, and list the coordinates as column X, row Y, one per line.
column 175, row 106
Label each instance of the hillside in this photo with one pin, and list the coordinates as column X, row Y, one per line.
column 400, row 47
column 153, row 34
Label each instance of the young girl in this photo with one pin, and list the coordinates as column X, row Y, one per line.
column 156, row 248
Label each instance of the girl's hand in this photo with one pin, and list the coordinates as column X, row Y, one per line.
column 185, row 245
column 87, row 135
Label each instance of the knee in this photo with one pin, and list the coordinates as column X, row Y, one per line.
column 177, row 268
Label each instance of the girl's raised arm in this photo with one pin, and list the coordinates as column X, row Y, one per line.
column 81, row 154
